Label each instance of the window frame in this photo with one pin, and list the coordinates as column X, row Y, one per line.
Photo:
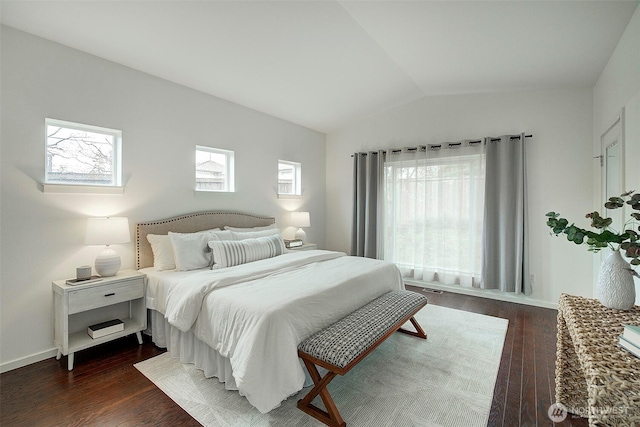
column 297, row 178
column 52, row 185
column 229, row 182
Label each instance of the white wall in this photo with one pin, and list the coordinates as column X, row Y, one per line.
column 558, row 160
column 42, row 234
column 619, row 87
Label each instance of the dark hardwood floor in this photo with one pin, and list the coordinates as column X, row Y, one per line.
column 104, row 389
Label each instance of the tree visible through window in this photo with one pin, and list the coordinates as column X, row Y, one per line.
column 82, row 154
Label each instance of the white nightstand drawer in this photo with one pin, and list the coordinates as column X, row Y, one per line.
column 100, row 296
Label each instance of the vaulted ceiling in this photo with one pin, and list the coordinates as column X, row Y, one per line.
column 322, row 64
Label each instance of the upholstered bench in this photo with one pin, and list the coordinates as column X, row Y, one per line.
column 342, row 345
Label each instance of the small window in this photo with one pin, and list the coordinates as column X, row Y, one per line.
column 214, row 169
column 78, row 154
column 289, row 178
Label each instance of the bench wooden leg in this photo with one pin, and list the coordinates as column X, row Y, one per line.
column 331, row 416
column 419, row 332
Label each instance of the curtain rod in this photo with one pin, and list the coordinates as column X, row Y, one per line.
column 449, row 144
column 513, row 137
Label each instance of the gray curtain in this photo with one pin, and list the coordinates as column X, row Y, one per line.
column 505, row 264
column 367, row 216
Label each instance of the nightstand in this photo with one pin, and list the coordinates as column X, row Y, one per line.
column 77, row 307
column 305, row 247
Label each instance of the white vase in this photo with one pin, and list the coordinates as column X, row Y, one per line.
column 615, row 283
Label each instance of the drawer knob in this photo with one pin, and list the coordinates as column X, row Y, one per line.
column 110, row 295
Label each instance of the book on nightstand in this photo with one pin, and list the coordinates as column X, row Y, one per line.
column 105, row 328
column 632, row 334
column 296, row 243
column 629, row 346
column 92, row 279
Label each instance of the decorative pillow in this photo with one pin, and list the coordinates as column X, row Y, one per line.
column 227, row 253
column 241, row 235
column 190, row 250
column 242, row 229
column 162, row 252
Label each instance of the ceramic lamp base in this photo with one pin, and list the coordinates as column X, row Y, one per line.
column 301, row 235
column 107, row 263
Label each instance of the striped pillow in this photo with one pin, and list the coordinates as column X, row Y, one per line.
column 227, row 253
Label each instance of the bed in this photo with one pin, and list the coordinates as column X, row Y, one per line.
column 241, row 322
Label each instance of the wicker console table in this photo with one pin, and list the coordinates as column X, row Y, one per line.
column 596, row 378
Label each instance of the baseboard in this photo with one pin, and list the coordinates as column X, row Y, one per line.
column 489, row 294
column 24, row 361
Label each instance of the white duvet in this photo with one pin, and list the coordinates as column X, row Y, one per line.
column 256, row 314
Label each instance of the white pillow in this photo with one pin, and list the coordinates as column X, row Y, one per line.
column 209, row 231
column 227, row 253
column 238, row 235
column 222, row 234
column 190, row 250
column 266, row 227
column 162, row 251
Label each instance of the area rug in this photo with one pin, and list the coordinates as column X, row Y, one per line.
column 446, row 380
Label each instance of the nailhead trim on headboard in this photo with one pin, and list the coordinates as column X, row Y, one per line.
column 190, row 223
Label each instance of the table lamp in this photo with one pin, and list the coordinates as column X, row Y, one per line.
column 107, row 231
column 300, row 219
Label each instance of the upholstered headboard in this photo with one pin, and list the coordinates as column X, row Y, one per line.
column 190, row 223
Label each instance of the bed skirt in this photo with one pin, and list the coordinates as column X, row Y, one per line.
column 186, row 347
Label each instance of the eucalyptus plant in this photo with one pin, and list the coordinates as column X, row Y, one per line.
column 628, row 240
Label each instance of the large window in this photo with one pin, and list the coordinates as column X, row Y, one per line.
column 214, row 169
column 433, row 216
column 79, row 154
column 289, row 178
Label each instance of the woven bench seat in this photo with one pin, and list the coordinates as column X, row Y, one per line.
column 342, row 345
column 339, row 344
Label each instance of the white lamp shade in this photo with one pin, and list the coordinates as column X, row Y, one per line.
column 300, row 219
column 107, row 231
